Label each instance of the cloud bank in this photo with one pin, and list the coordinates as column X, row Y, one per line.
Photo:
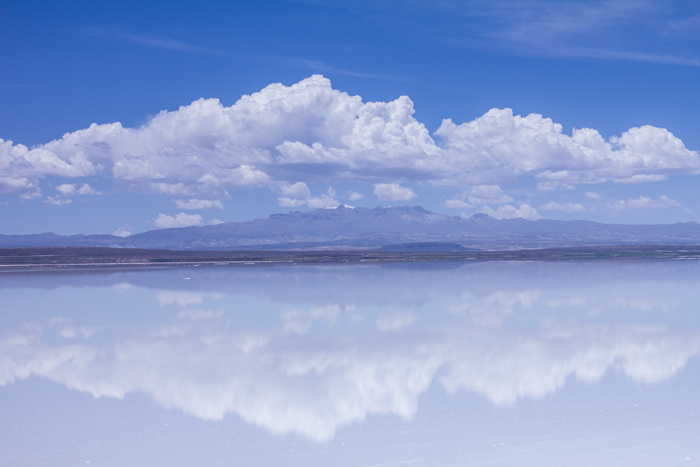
column 284, row 137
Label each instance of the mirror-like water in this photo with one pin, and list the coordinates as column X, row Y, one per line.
column 433, row 364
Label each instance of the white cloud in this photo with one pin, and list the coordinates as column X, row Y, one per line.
column 457, row 203
column 644, row 202
column 123, row 231
column 195, row 203
column 87, row 190
column 284, row 135
column 481, row 194
column 354, row 196
column 294, row 195
column 57, row 201
column 507, row 211
column 67, row 189
column 326, row 200
column 181, row 220
column 215, row 221
column 393, row 192
column 592, row 195
column 70, row 189
column 488, row 194
column 536, row 145
column 568, row 207
column 552, row 185
column 299, row 194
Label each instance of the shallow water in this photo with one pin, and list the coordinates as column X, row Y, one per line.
column 419, row 364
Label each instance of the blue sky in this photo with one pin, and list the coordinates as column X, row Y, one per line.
column 564, row 110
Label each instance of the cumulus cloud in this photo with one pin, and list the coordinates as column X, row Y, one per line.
column 457, row 203
column 592, row 195
column 195, row 203
column 568, row 207
column 87, row 190
column 57, row 201
column 354, row 196
column 66, row 189
column 644, row 202
column 488, row 194
column 123, row 231
column 284, row 135
column 482, row 194
column 71, row 189
column 393, row 192
column 299, row 194
column 507, row 211
column 181, row 220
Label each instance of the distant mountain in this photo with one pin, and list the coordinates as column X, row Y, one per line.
column 347, row 227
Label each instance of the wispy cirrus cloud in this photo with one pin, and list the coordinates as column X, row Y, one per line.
column 156, row 41
column 640, row 31
column 164, row 42
column 323, row 67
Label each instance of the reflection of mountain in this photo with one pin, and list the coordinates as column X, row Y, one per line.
column 312, row 367
column 363, row 227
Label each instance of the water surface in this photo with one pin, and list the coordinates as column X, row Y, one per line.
column 418, row 364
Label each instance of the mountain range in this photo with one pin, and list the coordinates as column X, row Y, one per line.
column 350, row 227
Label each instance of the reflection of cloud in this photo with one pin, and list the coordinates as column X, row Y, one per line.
column 72, row 332
column 299, row 321
column 167, row 297
column 392, row 322
column 301, row 349
column 287, row 383
column 638, row 304
column 535, row 368
column 507, row 298
column 200, row 314
column 494, row 308
column 568, row 302
column 123, row 287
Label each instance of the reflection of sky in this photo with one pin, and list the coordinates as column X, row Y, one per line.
column 320, row 352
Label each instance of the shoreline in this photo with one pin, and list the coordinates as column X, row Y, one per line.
column 33, row 258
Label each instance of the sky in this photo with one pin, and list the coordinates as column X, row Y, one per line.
column 122, row 117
